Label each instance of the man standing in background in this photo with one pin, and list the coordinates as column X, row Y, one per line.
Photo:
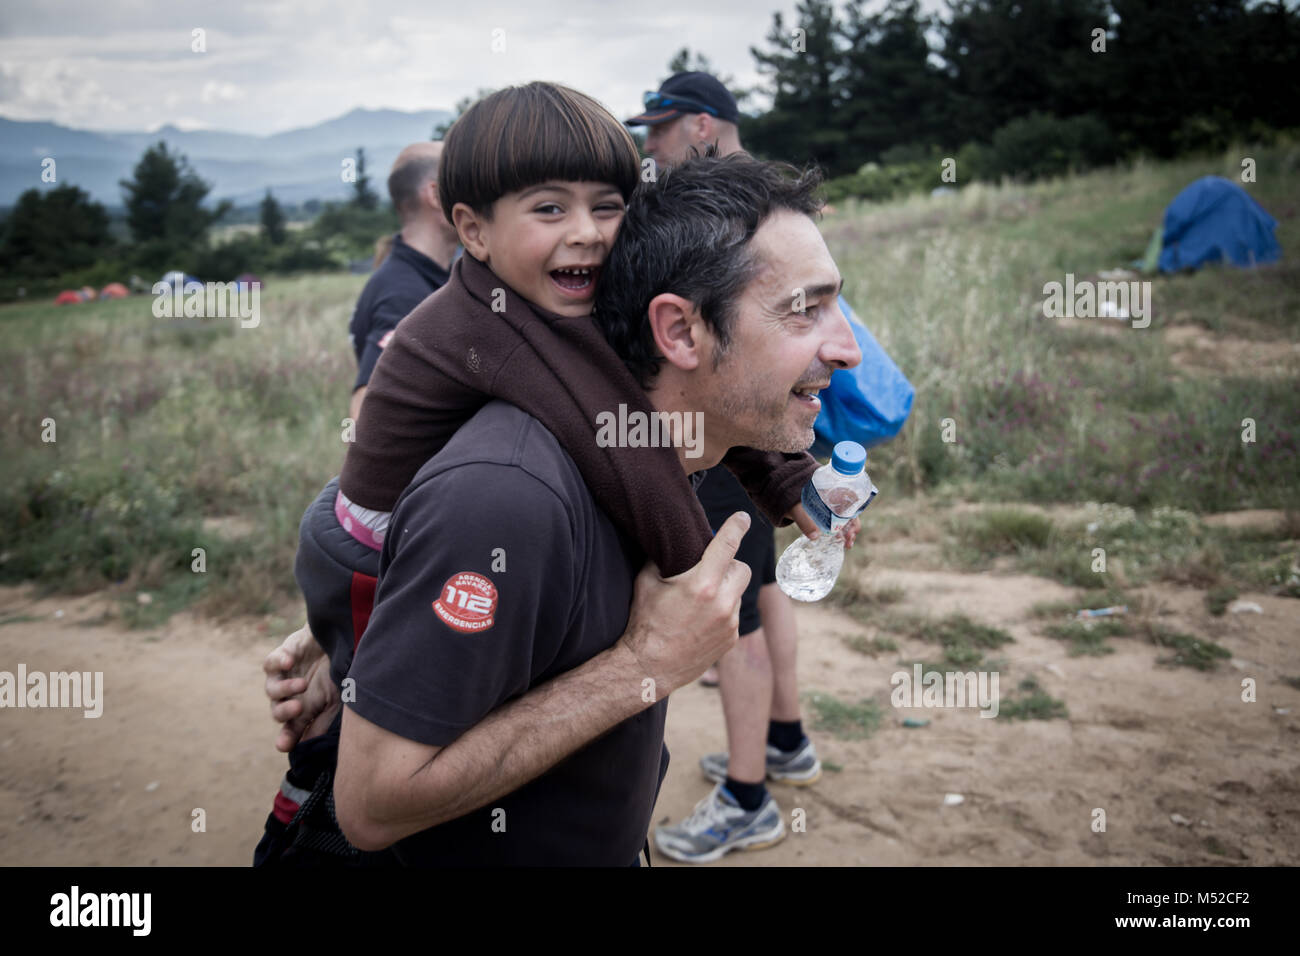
column 417, row 266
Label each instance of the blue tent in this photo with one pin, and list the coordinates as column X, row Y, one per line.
column 1214, row 219
column 177, row 279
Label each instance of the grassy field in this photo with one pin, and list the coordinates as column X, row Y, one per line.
column 1094, row 409
column 177, row 434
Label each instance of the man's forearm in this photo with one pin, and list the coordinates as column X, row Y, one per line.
column 517, row 743
column 354, row 406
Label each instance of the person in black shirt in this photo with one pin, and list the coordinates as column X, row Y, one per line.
column 416, row 267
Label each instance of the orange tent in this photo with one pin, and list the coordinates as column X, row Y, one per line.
column 67, row 297
column 114, row 290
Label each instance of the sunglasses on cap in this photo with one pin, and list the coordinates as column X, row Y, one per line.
column 659, row 101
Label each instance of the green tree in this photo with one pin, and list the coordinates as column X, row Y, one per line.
column 362, row 195
column 893, row 94
column 1200, row 72
column 1006, row 59
column 272, row 220
column 806, row 67
column 164, row 200
column 53, row 231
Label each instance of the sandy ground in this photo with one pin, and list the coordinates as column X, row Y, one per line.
column 185, row 727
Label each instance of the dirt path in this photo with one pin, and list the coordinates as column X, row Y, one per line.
column 184, row 726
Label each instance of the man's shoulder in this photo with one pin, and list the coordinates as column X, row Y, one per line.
column 501, row 450
column 398, row 279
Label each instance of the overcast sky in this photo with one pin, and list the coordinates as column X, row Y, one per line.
column 271, row 65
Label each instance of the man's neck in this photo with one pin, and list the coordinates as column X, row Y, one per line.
column 682, row 419
column 427, row 239
column 728, row 144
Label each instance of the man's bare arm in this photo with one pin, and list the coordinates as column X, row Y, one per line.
column 389, row 787
column 409, row 787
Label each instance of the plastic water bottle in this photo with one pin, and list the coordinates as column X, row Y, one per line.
column 833, row 497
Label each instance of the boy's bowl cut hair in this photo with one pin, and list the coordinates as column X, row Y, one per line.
column 688, row 234
column 524, row 136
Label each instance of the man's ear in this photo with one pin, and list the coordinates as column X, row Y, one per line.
column 471, row 229
column 706, row 131
column 429, row 196
column 679, row 330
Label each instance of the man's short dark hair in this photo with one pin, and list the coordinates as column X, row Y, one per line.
column 524, row 136
column 404, row 182
column 688, row 234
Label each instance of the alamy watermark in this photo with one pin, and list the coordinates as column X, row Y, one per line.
column 1086, row 299
column 924, row 688
column 210, row 300
column 638, row 429
column 56, row 689
column 130, row 910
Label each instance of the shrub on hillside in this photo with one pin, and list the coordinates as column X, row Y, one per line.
column 248, row 253
column 352, row 231
column 879, row 183
column 1039, row 145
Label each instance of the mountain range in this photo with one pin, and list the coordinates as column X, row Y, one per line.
column 296, row 165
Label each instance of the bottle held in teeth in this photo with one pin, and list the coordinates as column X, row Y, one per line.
column 834, row 496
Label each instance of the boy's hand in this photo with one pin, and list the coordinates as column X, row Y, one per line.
column 303, row 698
column 799, row 516
column 681, row 625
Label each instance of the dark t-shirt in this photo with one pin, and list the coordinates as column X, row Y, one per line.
column 402, row 281
column 498, row 574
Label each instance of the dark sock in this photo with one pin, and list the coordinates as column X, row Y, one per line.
column 748, row 795
column 785, row 735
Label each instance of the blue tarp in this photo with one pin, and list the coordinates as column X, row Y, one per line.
column 867, row 404
column 1214, row 219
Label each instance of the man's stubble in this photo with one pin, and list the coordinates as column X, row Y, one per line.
column 761, row 419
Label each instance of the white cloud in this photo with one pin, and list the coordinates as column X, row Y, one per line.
column 276, row 64
column 215, row 92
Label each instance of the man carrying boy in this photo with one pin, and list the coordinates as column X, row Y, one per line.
column 536, row 177
column 510, row 692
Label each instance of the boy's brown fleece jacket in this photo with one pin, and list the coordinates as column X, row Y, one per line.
column 454, row 353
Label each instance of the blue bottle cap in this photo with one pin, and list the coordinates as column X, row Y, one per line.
column 849, row 458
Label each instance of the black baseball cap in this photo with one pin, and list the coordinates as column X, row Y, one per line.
column 693, row 92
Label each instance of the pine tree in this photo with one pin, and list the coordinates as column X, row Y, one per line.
column 53, row 231
column 272, row 220
column 894, row 95
column 1007, row 59
column 164, row 199
column 362, row 195
column 807, row 68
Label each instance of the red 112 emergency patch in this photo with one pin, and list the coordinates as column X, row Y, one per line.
column 467, row 603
